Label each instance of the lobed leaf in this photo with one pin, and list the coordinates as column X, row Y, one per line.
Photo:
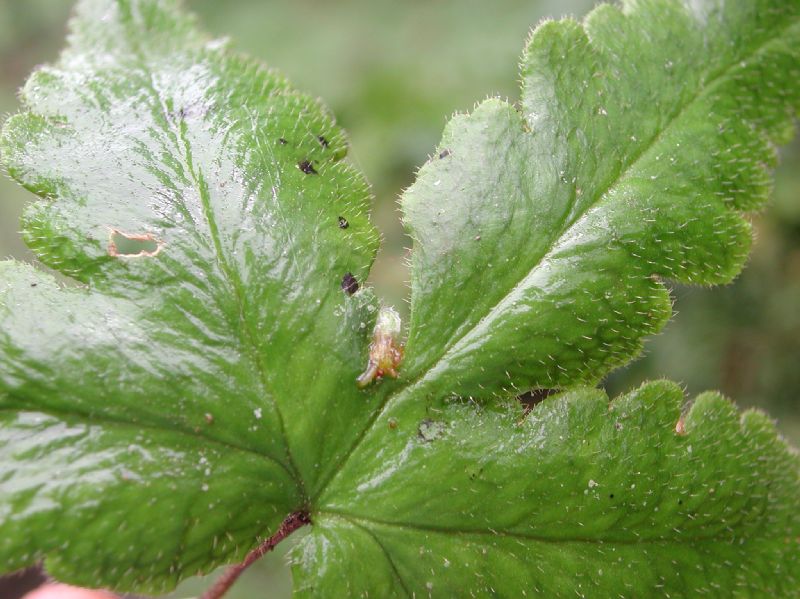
column 542, row 240
column 195, row 381
column 198, row 199
column 580, row 497
column 542, row 236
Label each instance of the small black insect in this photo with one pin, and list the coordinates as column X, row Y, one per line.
column 343, row 224
column 349, row 284
column 444, row 154
column 306, row 167
column 323, row 142
column 282, row 141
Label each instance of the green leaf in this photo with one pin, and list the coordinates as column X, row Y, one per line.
column 176, row 405
column 578, row 498
column 195, row 380
column 542, row 236
column 542, row 240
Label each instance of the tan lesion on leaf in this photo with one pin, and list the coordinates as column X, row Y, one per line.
column 385, row 351
column 133, row 245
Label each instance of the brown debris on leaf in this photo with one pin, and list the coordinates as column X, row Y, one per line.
column 385, row 351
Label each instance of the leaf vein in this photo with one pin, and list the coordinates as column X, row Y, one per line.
column 105, row 419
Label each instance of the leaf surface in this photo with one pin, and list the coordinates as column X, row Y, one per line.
column 196, row 197
column 542, row 240
column 578, row 498
column 193, row 381
column 542, row 236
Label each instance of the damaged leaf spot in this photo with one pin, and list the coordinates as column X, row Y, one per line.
column 124, row 245
column 430, row 430
column 385, row 351
column 306, row 167
column 349, row 284
column 474, row 471
column 343, row 224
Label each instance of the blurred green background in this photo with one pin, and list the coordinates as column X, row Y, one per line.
column 393, row 72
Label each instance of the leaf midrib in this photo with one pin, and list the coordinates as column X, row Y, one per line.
column 408, row 387
column 365, row 522
column 235, row 285
column 499, row 307
column 233, row 282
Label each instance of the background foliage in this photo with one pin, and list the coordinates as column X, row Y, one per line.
column 392, row 73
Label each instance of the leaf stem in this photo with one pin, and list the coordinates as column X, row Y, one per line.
column 292, row 522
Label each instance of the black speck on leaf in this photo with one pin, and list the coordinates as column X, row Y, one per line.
column 282, row 141
column 34, row 284
column 349, row 284
column 444, row 154
column 323, row 142
column 343, row 224
column 306, row 167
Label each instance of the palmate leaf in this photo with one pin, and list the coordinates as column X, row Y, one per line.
column 199, row 385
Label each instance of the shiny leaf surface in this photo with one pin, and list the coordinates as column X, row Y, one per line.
column 193, row 379
column 196, row 197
